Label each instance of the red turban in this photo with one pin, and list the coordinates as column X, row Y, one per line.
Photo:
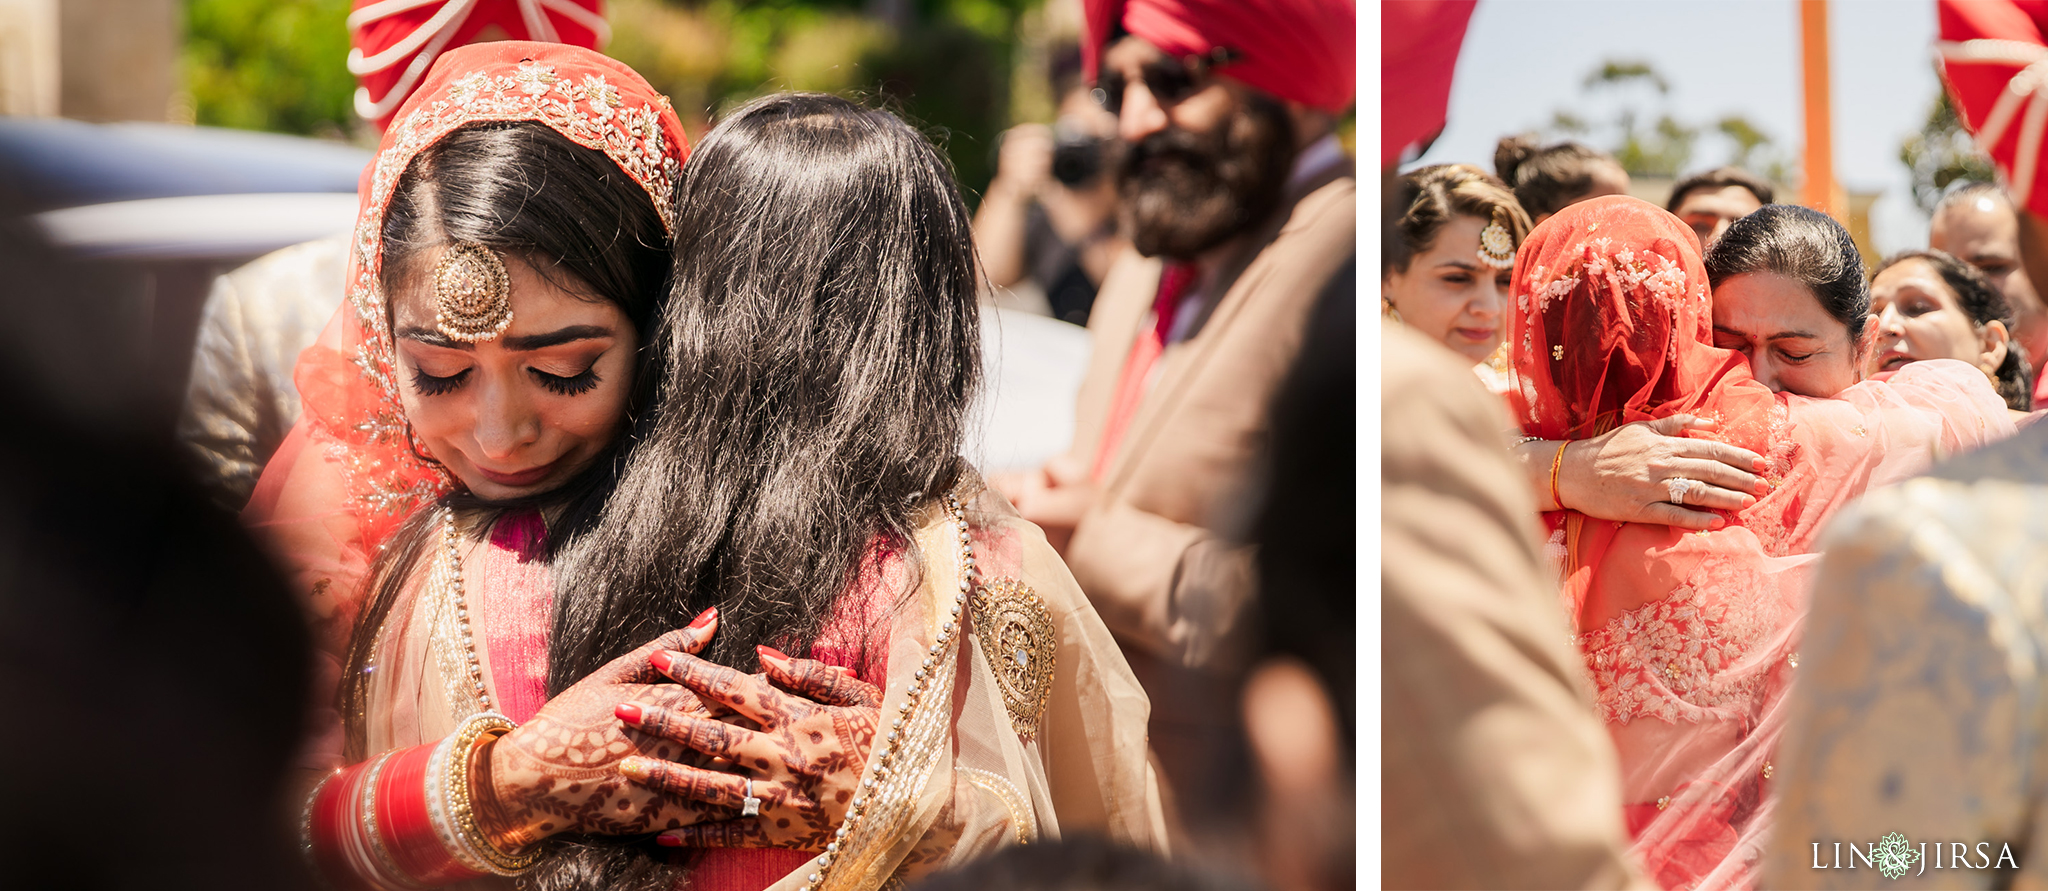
column 394, row 42
column 1300, row 50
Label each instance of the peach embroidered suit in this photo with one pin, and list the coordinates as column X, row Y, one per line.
column 1691, row 638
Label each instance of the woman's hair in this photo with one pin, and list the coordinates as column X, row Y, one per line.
column 1984, row 304
column 1547, row 177
column 1804, row 245
column 818, row 354
column 518, row 188
column 1431, row 196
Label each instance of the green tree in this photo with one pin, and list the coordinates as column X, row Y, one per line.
column 1942, row 152
column 943, row 64
column 1659, row 149
column 1662, row 147
column 277, row 65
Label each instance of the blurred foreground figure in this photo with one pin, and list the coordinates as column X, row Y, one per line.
column 1074, row 863
column 152, row 667
column 1240, row 205
column 1495, row 772
column 1299, row 712
column 1919, row 707
column 1978, row 224
column 241, row 400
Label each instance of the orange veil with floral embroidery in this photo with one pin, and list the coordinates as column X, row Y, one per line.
column 1692, row 643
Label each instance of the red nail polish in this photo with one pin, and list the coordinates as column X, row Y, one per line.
column 772, row 653
column 704, row 618
column 628, row 713
column 660, row 660
column 668, row 841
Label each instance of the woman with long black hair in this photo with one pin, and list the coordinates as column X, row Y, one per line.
column 799, row 474
column 464, row 410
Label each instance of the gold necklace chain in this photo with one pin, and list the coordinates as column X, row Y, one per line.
column 451, row 573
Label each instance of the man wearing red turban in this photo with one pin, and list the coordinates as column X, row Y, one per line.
column 240, row 400
column 1241, row 207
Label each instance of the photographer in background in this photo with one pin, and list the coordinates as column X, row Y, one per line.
column 1050, row 214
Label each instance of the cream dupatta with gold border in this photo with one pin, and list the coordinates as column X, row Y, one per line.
column 1028, row 726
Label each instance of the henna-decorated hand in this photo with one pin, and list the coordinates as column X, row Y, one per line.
column 804, row 762
column 558, row 772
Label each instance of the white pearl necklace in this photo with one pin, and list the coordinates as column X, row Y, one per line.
column 451, row 567
column 919, row 685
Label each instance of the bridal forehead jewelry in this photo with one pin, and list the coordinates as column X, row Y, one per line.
column 1496, row 246
column 472, row 294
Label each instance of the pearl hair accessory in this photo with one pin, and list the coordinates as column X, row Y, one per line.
column 1496, row 246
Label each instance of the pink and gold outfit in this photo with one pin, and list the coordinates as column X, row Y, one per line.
column 1036, row 724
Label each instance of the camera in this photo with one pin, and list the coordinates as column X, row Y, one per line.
column 1077, row 158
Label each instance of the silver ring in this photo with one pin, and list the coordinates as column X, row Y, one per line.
column 1678, row 487
column 751, row 806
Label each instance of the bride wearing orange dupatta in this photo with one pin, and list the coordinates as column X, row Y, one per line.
column 467, row 414
column 1691, row 638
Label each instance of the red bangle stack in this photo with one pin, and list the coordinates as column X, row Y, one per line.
column 368, row 826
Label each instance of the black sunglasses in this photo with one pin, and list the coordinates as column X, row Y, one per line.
column 1168, row 80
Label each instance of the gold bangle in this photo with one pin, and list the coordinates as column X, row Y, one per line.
column 451, row 809
column 1555, row 464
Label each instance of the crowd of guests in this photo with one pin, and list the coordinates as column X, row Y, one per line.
column 1618, row 441
column 617, row 475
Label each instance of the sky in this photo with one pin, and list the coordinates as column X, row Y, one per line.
column 1524, row 59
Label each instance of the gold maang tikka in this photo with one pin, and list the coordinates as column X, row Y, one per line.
column 1496, row 246
column 472, row 294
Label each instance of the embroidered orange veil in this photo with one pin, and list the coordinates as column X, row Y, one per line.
column 1694, row 642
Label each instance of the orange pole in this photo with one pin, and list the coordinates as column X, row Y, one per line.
column 1820, row 190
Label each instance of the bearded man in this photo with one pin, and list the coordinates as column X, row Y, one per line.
column 1241, row 206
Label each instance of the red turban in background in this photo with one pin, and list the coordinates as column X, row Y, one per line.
column 1301, row 50
column 394, row 42
column 1992, row 62
column 1419, row 41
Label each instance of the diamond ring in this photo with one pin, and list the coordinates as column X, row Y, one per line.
column 751, row 806
column 1679, row 487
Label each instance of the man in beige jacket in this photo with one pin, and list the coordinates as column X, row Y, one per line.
column 1240, row 205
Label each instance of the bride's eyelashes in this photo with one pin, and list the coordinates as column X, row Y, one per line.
column 430, row 385
column 573, row 385
column 570, row 385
